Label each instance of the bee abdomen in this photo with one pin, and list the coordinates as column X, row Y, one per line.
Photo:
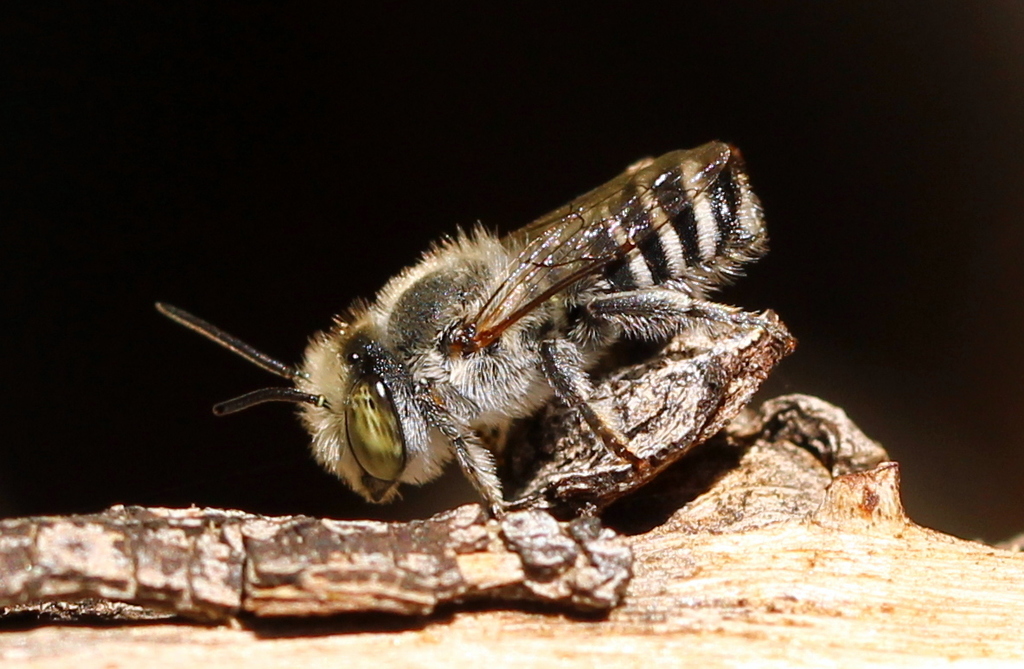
column 690, row 226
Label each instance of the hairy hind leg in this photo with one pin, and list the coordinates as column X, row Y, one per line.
column 563, row 367
column 660, row 313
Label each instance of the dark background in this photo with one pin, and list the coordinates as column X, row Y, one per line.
column 262, row 165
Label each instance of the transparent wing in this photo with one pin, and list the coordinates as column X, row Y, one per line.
column 596, row 229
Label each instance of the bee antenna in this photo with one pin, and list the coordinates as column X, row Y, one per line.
column 235, row 345
column 268, row 395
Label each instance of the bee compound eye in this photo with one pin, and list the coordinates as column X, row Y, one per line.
column 374, row 433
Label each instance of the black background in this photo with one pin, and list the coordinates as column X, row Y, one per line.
column 262, row 164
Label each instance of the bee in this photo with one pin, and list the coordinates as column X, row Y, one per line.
column 485, row 330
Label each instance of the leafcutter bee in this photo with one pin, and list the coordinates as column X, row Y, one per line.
column 485, row 330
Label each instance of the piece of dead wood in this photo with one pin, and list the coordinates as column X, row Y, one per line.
column 748, row 552
column 755, row 555
column 211, row 564
column 780, row 541
column 666, row 406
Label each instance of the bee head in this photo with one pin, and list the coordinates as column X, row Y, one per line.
column 370, row 430
column 358, row 402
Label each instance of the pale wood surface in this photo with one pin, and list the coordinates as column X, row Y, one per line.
column 849, row 583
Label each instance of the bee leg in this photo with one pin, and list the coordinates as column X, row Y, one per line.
column 661, row 313
column 478, row 465
column 563, row 367
column 476, row 462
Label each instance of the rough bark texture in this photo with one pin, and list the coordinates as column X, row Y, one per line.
column 780, row 541
column 213, row 565
column 666, row 406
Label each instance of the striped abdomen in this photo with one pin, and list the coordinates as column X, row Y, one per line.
column 688, row 216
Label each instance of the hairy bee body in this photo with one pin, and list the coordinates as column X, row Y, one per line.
column 409, row 318
column 485, row 330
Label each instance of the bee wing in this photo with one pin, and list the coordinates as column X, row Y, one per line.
column 596, row 229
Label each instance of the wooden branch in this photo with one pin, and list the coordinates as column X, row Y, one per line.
column 666, row 406
column 212, row 565
column 781, row 540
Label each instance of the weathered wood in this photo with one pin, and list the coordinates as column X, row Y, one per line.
column 780, row 541
column 774, row 562
column 666, row 406
column 210, row 564
column 213, row 565
column 755, row 555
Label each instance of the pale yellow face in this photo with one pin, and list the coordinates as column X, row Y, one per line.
column 374, row 433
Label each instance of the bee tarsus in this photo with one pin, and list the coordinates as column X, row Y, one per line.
column 564, row 368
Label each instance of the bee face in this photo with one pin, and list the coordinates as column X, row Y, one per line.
column 371, row 431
